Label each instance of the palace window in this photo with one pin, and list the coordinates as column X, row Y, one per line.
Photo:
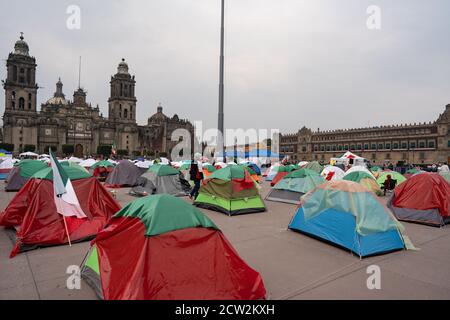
column 404, row 145
column 352, row 147
column 395, row 145
column 380, row 146
column 430, row 144
column 366, row 146
column 422, row 155
column 412, row 145
column 322, row 148
column 374, row 146
column 388, row 146
column 346, row 147
column 328, row 148
column 388, row 155
column 358, row 147
column 340, row 148
column 125, row 113
column 421, row 144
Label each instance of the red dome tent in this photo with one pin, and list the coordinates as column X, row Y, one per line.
column 32, row 212
column 423, row 198
column 161, row 248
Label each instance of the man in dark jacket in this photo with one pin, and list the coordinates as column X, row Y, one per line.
column 197, row 177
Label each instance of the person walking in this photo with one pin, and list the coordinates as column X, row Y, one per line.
column 196, row 176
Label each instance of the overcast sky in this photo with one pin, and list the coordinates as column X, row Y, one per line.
column 289, row 63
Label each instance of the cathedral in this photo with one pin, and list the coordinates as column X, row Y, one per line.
column 76, row 122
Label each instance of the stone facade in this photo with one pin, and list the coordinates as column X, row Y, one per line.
column 422, row 143
column 77, row 122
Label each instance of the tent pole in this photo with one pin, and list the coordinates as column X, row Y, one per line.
column 65, row 225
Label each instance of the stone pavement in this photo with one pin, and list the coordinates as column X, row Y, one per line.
column 292, row 265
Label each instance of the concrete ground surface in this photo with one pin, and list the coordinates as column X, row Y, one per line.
column 292, row 265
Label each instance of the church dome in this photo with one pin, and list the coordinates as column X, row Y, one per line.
column 58, row 97
column 21, row 47
column 159, row 116
column 57, row 101
column 123, row 67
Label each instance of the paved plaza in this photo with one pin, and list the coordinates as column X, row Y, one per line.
column 292, row 265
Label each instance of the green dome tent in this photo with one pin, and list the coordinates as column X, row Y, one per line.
column 230, row 190
column 294, row 185
column 162, row 248
column 21, row 172
column 366, row 180
column 73, row 172
column 314, row 166
column 394, row 175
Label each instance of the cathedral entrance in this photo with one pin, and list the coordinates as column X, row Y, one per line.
column 78, row 151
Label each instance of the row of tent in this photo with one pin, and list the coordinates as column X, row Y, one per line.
column 199, row 263
column 124, row 261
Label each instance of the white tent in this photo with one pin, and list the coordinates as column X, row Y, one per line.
column 28, row 154
column 6, row 164
column 302, row 163
column 75, row 159
column 338, row 173
column 350, row 155
column 144, row 164
column 88, row 163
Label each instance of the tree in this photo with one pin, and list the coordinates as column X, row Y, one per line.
column 29, row 148
column 122, row 152
column 54, row 149
column 151, row 153
column 68, row 149
column 163, row 154
column 104, row 150
column 7, row 146
column 136, row 153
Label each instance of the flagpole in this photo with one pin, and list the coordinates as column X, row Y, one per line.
column 65, row 223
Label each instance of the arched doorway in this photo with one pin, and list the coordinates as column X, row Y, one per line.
column 78, row 151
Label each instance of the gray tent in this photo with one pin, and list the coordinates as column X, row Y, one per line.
column 124, row 174
column 14, row 181
column 152, row 183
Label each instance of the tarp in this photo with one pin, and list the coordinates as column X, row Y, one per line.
column 33, row 213
column 124, row 174
column 160, row 247
column 348, row 196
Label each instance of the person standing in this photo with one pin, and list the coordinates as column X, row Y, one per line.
column 196, row 174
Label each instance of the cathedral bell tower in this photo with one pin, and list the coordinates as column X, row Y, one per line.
column 20, row 85
column 122, row 101
column 20, row 97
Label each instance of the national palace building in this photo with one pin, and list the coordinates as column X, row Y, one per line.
column 77, row 123
column 418, row 143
